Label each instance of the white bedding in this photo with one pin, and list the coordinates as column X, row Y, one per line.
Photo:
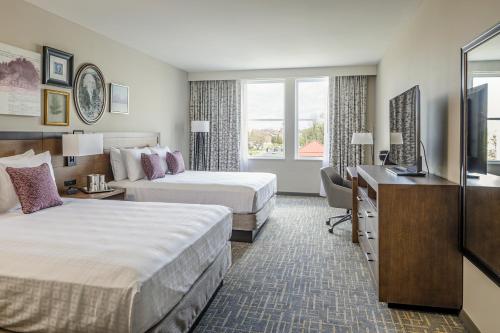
column 103, row 266
column 243, row 192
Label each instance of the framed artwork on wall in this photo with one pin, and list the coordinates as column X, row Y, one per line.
column 19, row 81
column 57, row 67
column 118, row 98
column 56, row 107
column 89, row 93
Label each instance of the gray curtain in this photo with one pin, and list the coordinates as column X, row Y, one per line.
column 219, row 103
column 402, row 118
column 348, row 115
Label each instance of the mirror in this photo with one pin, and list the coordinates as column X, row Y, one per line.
column 480, row 181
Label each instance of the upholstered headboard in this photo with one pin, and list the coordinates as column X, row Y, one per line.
column 130, row 139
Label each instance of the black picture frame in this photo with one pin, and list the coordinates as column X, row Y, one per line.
column 46, row 77
column 473, row 257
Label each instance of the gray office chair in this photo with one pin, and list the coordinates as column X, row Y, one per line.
column 339, row 194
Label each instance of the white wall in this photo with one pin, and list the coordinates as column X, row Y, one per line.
column 428, row 54
column 300, row 176
column 158, row 91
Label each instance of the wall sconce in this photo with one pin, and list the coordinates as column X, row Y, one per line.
column 81, row 144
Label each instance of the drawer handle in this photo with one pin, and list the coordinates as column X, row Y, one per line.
column 367, row 255
column 360, row 216
column 359, row 198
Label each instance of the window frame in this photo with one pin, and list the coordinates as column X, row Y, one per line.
column 480, row 74
column 247, row 118
column 297, row 119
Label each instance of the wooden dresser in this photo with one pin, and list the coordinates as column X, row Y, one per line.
column 408, row 231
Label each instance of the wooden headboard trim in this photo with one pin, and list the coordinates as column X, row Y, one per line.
column 12, row 143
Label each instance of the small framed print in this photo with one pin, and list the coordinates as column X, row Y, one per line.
column 56, row 107
column 118, row 98
column 57, row 67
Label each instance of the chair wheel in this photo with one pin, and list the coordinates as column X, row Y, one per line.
column 330, row 230
column 327, row 222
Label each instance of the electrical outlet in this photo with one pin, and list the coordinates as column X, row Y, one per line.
column 71, row 182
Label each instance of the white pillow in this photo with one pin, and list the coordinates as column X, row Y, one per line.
column 8, row 196
column 132, row 158
column 162, row 152
column 118, row 164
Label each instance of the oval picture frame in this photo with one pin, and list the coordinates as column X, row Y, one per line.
column 89, row 93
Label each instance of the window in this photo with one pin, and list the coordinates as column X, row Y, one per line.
column 311, row 105
column 493, row 82
column 265, row 109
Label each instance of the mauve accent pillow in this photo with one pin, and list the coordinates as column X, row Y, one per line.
column 151, row 165
column 175, row 162
column 34, row 187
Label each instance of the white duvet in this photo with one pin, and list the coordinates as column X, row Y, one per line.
column 243, row 192
column 103, row 266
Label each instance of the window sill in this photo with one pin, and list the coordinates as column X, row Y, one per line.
column 267, row 158
column 308, row 159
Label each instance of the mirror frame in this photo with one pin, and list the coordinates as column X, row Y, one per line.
column 471, row 256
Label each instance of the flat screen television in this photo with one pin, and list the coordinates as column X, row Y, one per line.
column 405, row 132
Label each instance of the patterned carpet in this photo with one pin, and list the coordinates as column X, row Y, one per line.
column 296, row 277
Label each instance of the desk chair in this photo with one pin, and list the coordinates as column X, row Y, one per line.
column 339, row 194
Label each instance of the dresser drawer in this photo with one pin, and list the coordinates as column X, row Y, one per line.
column 369, row 216
column 370, row 257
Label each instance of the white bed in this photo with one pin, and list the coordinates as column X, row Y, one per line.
column 250, row 195
column 107, row 266
column 243, row 192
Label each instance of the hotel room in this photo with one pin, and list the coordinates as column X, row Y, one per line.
column 249, row 166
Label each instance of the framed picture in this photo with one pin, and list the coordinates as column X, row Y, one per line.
column 19, row 81
column 89, row 93
column 57, row 67
column 118, row 98
column 56, row 107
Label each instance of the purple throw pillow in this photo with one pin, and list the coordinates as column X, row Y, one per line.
column 35, row 188
column 175, row 162
column 151, row 165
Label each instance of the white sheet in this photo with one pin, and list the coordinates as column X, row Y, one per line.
column 243, row 192
column 103, row 266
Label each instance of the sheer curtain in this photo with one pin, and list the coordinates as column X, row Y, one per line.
column 327, row 140
column 347, row 115
column 244, row 130
column 218, row 101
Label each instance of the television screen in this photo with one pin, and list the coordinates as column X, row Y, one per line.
column 477, row 136
column 405, row 129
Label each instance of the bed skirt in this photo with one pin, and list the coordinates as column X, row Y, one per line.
column 185, row 314
column 247, row 226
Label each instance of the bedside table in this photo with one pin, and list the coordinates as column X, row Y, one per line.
column 116, row 194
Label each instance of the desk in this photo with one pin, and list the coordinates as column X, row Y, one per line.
column 352, row 175
column 407, row 229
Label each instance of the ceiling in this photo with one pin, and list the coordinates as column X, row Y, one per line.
column 209, row 35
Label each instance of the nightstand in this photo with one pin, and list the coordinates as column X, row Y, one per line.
column 116, row 194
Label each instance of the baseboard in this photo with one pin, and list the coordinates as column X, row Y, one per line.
column 467, row 322
column 299, row 194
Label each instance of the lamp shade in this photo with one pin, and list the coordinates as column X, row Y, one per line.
column 362, row 139
column 200, row 126
column 396, row 138
column 82, row 144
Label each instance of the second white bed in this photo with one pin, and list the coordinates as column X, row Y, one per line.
column 243, row 192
